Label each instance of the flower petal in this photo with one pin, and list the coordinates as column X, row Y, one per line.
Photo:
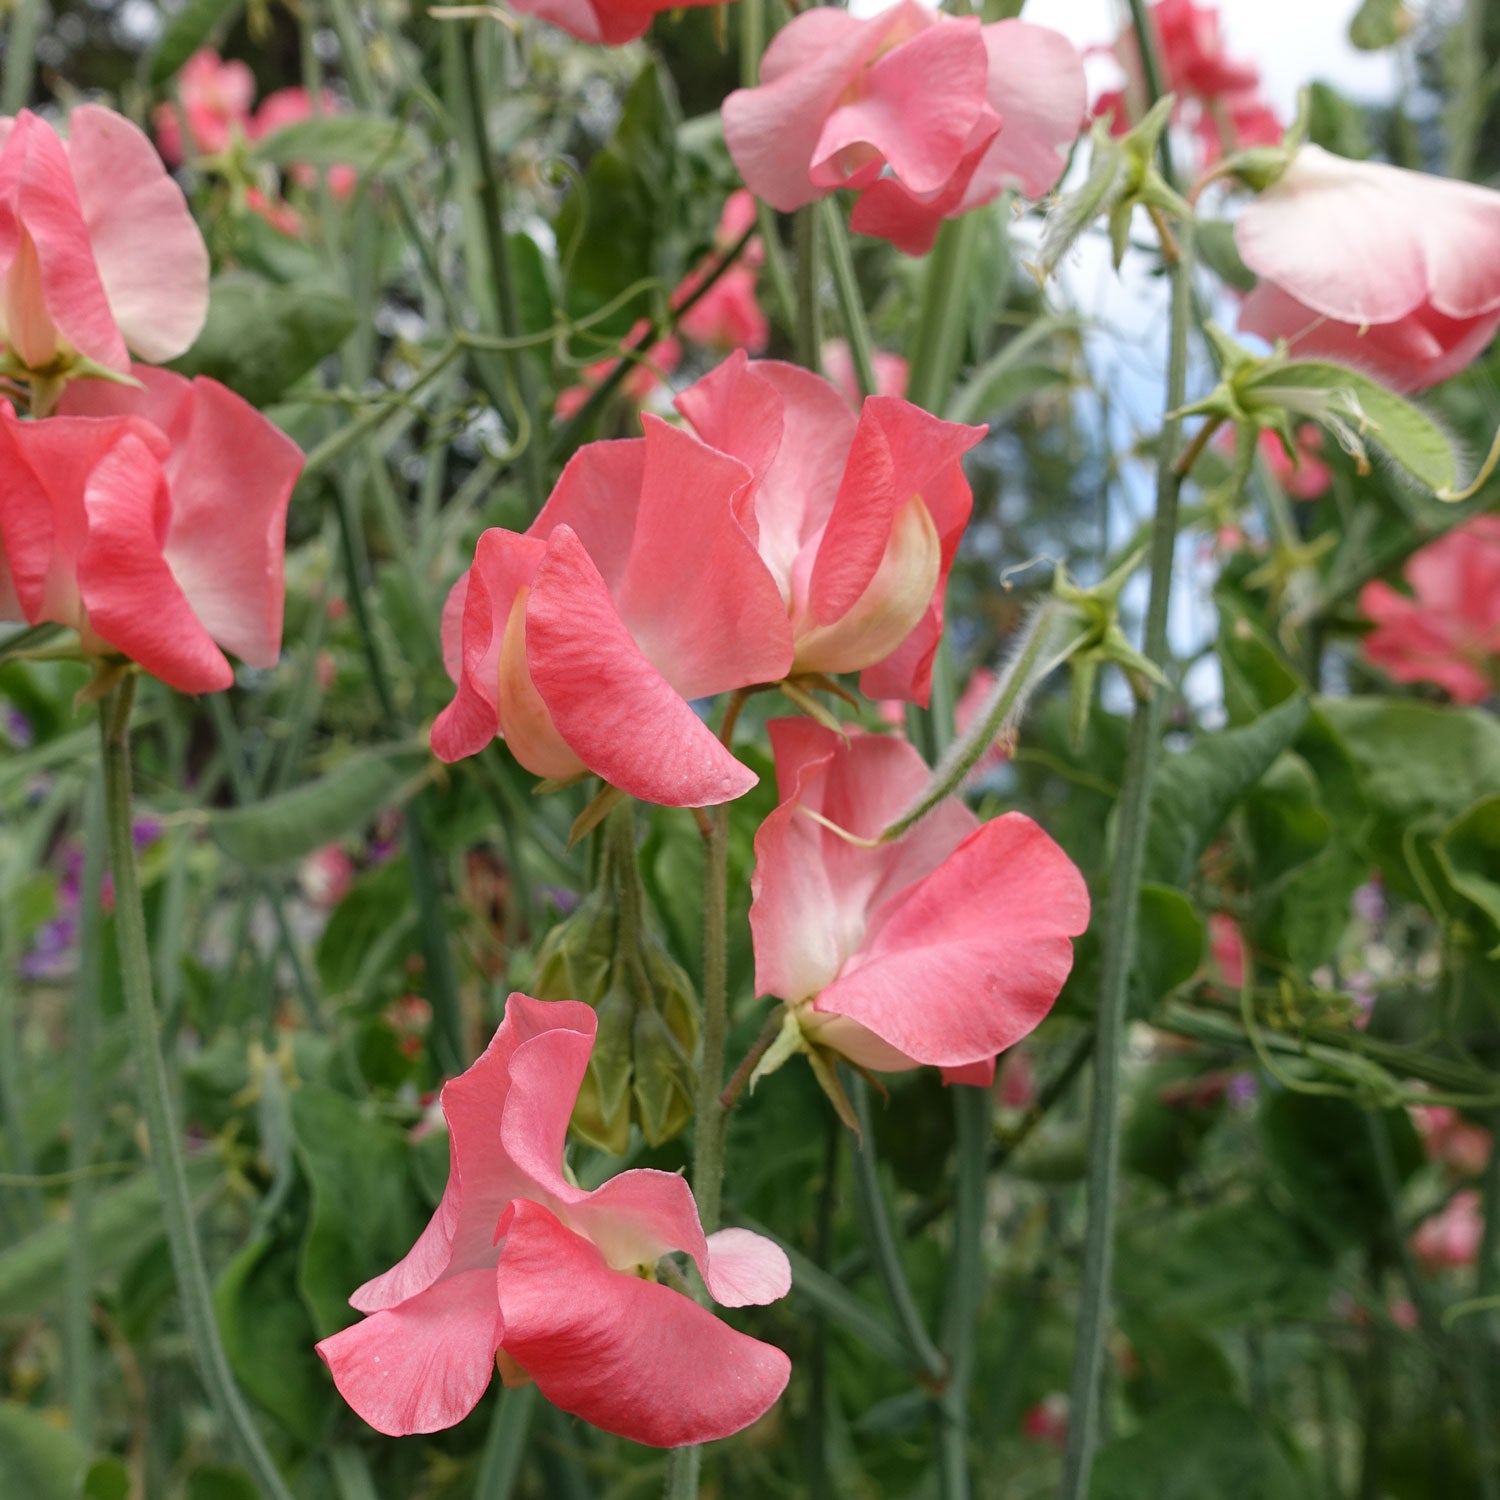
column 422, row 1365
column 630, row 1356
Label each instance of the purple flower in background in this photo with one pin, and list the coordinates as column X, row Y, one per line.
column 17, row 726
column 1243, row 1088
column 1369, row 903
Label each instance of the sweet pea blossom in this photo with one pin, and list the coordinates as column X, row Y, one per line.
column 1448, row 630
column 637, row 588
column 924, row 115
column 943, row 947
column 1393, row 271
column 520, row 1267
column 607, row 21
column 99, row 255
column 891, row 372
column 728, row 315
column 857, row 518
column 214, row 98
column 152, row 520
column 1450, row 1238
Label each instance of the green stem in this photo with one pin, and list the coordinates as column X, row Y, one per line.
column 851, row 304
column 1155, row 80
column 505, row 1447
column 809, row 331
column 1142, row 751
column 818, row 1479
column 20, row 56
column 78, row 1322
column 938, row 348
column 161, row 1129
column 973, row 1112
column 881, row 1239
column 1471, row 88
column 507, row 303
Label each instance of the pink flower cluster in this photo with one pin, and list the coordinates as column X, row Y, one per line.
column 1218, row 96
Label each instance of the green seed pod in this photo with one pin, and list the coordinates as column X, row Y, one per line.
column 577, row 957
column 664, row 1078
column 672, row 992
column 602, row 1114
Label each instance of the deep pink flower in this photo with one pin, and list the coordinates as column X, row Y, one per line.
column 1448, row 630
column 727, row 316
column 926, row 116
column 1226, row 950
column 1449, row 1240
column 99, row 254
column 556, row 1283
column 858, row 519
column 1046, row 1421
column 1449, row 1138
column 1193, row 52
column 1305, row 477
column 838, row 365
column 1393, row 271
column 214, row 100
column 608, row 21
column 637, row 588
column 943, row 947
column 152, row 521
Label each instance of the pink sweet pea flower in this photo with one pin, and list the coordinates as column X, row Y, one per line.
column 838, row 365
column 557, row 1284
column 637, row 588
column 1448, row 630
column 1305, row 477
column 727, row 316
column 1193, row 52
column 941, row 948
column 925, row 116
column 1450, row 1239
column 215, row 98
column 1449, row 1138
column 609, row 21
column 1393, row 271
column 153, row 522
column 99, row 254
column 1226, row 950
column 858, row 519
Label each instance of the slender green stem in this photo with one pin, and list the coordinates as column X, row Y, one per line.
column 20, row 56
column 78, row 1307
column 937, row 350
column 1155, row 80
column 709, row 1114
column 973, row 1111
column 851, row 304
column 818, row 1479
column 505, row 1446
column 161, row 1129
column 809, row 329
column 1120, row 923
column 507, row 303
column 1471, row 88
column 881, row 1239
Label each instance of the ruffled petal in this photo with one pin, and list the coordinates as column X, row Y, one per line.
column 630, row 1356
column 422, row 1365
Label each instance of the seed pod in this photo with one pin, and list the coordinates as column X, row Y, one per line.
column 602, row 1114
column 664, row 1078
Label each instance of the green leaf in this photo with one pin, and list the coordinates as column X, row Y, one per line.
column 123, row 1219
column 1285, row 821
column 1361, row 412
column 1198, row 1447
column 38, row 1460
column 368, row 143
column 269, row 1338
column 221, row 1482
column 366, row 1209
column 1169, row 946
column 186, row 32
column 1196, row 790
column 1469, row 852
column 1378, row 24
column 260, row 339
column 370, row 932
column 614, row 225
column 1214, row 242
column 107, row 1479
column 1019, row 370
column 293, row 824
column 1320, row 1152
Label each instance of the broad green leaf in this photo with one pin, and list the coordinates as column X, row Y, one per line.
column 107, row 1479
column 1019, row 370
column 366, row 1209
column 1337, row 124
column 1364, row 413
column 1169, row 946
column 1215, row 245
column 187, row 31
column 1302, row 917
column 1285, row 821
column 123, row 1219
column 370, row 932
column 1199, row 1447
column 614, row 225
column 368, row 143
column 220, row 1482
column 38, row 1460
column 260, row 339
column 1469, row 852
column 293, row 824
column 1196, row 789
column 269, row 1338
column 1378, row 24
column 1320, row 1152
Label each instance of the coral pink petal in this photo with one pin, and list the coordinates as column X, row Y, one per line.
column 746, row 1269
column 963, row 964
column 917, row 106
column 422, row 1365
column 51, row 284
column 452, row 628
column 630, row 1356
column 1363, row 242
column 696, row 597
column 133, row 601
column 598, row 496
column 979, row 1075
column 772, row 131
column 151, row 256
column 612, row 707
